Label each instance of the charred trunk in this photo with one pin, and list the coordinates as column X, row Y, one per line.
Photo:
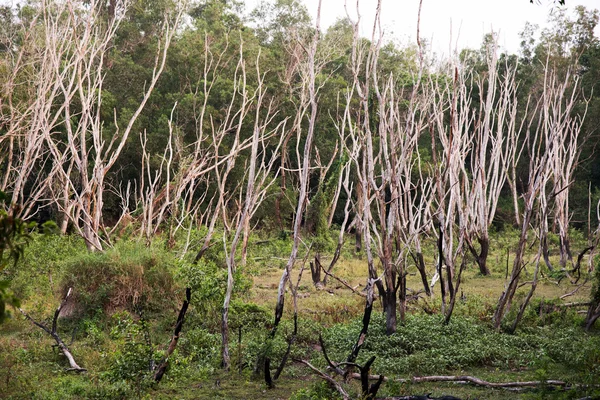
column 565, row 250
column 420, row 263
column 390, row 306
column 315, row 272
column 162, row 367
column 481, row 258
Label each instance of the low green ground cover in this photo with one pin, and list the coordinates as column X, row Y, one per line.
column 120, row 318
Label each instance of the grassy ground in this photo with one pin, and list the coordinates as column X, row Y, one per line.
column 115, row 341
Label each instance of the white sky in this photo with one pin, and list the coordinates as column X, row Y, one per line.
column 468, row 20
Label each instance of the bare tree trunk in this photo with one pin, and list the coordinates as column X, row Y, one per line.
column 507, row 295
column 311, row 71
column 453, row 297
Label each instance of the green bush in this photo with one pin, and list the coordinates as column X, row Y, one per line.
column 134, row 358
column 317, row 391
column 128, row 276
column 40, row 266
column 208, row 281
column 200, row 346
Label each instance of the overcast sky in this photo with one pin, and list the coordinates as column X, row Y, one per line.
column 443, row 21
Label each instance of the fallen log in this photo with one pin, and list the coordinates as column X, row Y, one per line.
column 417, row 397
column 478, row 382
column 52, row 332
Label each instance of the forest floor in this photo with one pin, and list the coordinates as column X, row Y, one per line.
column 115, row 344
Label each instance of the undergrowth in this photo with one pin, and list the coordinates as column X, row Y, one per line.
column 120, row 321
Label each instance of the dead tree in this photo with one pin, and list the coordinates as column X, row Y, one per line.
column 292, row 338
column 495, row 135
column 308, row 68
column 542, row 214
column 376, row 226
column 164, row 364
column 564, row 131
column 344, row 369
column 378, row 219
column 343, row 182
column 538, row 139
column 52, row 332
column 27, row 119
column 67, row 130
column 258, row 179
column 450, row 176
column 393, row 193
column 87, row 202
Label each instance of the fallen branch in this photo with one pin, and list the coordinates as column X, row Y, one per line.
column 327, row 378
column 368, row 391
column 577, row 267
column 477, row 381
column 52, row 332
column 162, row 367
column 564, row 296
column 481, row 382
column 574, row 304
column 417, row 397
column 343, row 282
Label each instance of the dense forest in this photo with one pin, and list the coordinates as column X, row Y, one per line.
column 200, row 202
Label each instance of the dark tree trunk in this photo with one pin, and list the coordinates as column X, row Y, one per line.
column 365, row 323
column 546, row 253
column 357, row 240
column 454, row 291
column 506, row 297
column 565, row 251
column 390, row 311
column 481, row 258
column 52, row 332
column 162, row 367
column 440, row 266
column 420, row 263
column 593, row 315
column 315, row 272
column 402, row 295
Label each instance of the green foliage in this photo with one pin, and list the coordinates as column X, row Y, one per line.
column 43, row 263
column 14, row 237
column 77, row 387
column 134, row 357
column 121, row 278
column 200, row 347
column 317, row 391
column 423, row 345
column 248, row 315
column 208, row 281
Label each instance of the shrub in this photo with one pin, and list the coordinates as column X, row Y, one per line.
column 41, row 263
column 134, row 357
column 208, row 281
column 317, row 391
column 120, row 278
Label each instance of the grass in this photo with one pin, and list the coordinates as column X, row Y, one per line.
column 115, row 343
